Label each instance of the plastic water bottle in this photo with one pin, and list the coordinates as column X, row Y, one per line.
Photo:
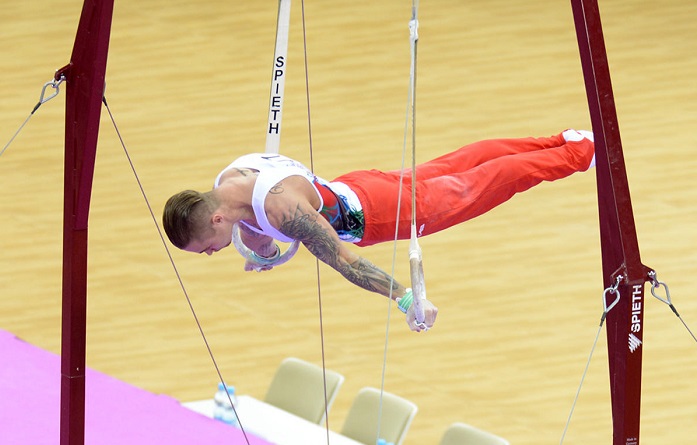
column 222, row 410
column 218, row 407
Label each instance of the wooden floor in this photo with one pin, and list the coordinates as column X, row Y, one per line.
column 519, row 289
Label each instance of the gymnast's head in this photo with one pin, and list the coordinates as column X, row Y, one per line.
column 192, row 222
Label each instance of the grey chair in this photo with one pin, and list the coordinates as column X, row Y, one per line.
column 463, row 434
column 395, row 414
column 298, row 387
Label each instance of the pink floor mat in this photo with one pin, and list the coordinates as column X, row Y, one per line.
column 116, row 413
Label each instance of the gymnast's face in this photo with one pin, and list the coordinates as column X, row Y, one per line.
column 216, row 238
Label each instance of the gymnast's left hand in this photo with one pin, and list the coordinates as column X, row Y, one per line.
column 430, row 312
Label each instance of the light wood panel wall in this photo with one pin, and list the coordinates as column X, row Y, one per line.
column 519, row 289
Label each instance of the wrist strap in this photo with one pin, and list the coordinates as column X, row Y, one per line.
column 266, row 261
column 406, row 301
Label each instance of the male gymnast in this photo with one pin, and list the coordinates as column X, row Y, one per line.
column 272, row 197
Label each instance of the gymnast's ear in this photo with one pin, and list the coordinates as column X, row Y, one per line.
column 217, row 218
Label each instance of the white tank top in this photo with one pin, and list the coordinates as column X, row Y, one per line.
column 274, row 168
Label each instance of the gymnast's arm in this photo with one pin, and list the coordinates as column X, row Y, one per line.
column 291, row 208
column 308, row 226
column 263, row 245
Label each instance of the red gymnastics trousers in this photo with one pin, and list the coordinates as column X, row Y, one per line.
column 463, row 184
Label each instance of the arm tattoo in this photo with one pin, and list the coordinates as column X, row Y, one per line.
column 277, row 189
column 304, row 227
column 368, row 276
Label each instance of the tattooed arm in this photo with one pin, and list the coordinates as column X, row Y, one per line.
column 289, row 209
column 321, row 240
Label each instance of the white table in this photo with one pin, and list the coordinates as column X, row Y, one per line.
column 274, row 424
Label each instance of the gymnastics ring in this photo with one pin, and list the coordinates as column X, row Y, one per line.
column 259, row 261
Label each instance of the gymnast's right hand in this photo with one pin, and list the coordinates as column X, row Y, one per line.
column 430, row 312
column 250, row 265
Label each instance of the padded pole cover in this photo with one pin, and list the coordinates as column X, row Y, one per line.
column 84, row 78
column 619, row 246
